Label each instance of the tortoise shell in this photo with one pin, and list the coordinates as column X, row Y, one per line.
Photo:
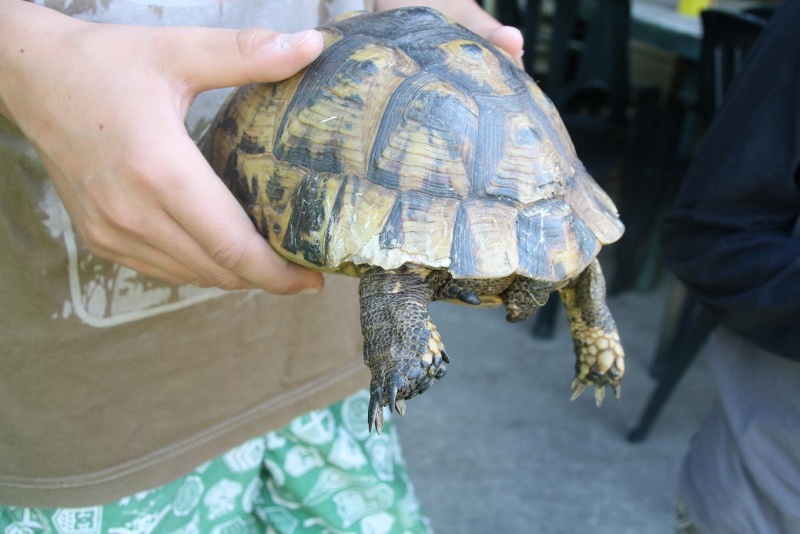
column 411, row 140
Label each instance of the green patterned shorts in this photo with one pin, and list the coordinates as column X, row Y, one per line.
column 322, row 474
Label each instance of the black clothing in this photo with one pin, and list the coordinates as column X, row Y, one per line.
column 733, row 236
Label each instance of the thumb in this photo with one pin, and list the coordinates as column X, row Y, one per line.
column 212, row 58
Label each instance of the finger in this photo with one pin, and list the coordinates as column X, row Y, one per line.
column 141, row 259
column 132, row 251
column 161, row 250
column 118, row 242
column 478, row 20
column 170, row 249
column 509, row 39
column 207, row 211
column 137, row 240
column 213, row 58
column 176, row 243
column 147, row 269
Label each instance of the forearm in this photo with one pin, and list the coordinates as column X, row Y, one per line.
column 733, row 237
column 754, row 288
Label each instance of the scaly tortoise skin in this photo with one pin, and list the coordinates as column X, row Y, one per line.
column 418, row 156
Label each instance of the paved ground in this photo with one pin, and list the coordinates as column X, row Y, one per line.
column 497, row 447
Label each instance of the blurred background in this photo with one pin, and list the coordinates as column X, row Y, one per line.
column 497, row 446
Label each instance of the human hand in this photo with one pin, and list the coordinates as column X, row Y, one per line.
column 104, row 105
column 470, row 15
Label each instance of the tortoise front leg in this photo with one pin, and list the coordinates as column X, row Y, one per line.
column 401, row 345
column 600, row 358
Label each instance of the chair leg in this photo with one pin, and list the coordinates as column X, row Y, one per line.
column 634, row 179
column 678, row 315
column 687, row 346
column 648, row 189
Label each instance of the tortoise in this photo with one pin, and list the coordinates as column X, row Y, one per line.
column 416, row 155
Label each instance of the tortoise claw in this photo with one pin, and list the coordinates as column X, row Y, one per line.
column 578, row 388
column 599, row 395
column 399, row 388
column 392, row 398
column 440, row 372
column 375, row 412
column 445, row 357
column 468, row 296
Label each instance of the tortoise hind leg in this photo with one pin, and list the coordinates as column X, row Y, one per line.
column 524, row 297
column 402, row 348
column 600, row 358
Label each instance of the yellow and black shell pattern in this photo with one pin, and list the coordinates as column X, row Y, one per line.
column 411, row 140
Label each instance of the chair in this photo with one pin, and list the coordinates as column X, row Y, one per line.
column 660, row 158
column 649, row 182
column 599, row 77
column 528, row 20
column 727, row 37
column 587, row 78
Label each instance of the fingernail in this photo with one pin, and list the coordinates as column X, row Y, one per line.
column 289, row 41
column 310, row 291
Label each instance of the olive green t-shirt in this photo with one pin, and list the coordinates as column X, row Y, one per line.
column 112, row 382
